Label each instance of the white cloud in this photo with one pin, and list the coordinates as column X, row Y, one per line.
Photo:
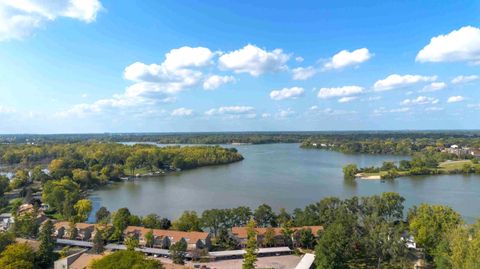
column 266, row 115
column 459, row 45
column 215, row 81
column 347, row 99
column 285, row 113
column 434, row 108
column 474, row 106
column 6, row 110
column 299, row 59
column 339, row 91
column 398, row 81
column 153, row 83
column 233, row 111
column 304, row 73
column 434, row 86
column 383, row 110
column 186, row 57
column 287, row 93
column 182, row 112
column 19, row 18
column 455, row 99
column 420, row 100
column 336, row 112
column 374, row 98
column 464, row 79
column 254, row 60
column 346, row 58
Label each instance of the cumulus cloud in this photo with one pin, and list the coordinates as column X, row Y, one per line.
column 286, row 93
column 464, row 79
column 346, row 58
column 233, row 111
column 395, row 81
column 455, row 99
column 182, row 112
column 18, row 19
column 420, row 100
column 434, row 86
column 347, row 99
column 462, row 45
column 339, row 91
column 304, row 73
column 285, row 113
column 215, row 81
column 153, row 83
column 299, row 59
column 254, row 60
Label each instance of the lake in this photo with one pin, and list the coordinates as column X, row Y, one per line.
column 281, row 175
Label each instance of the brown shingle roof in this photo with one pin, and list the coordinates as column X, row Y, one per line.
column 80, row 225
column 191, row 237
column 84, row 260
column 241, row 232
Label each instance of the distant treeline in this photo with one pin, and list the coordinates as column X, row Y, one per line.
column 310, row 138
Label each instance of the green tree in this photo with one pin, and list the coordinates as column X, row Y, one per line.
column 306, row 238
column 178, row 251
column 98, row 242
column 151, row 221
column 149, row 238
column 45, row 254
column 72, row 231
column 188, row 221
column 61, row 195
column 17, row 256
column 430, row 223
column 120, row 221
column 269, row 237
column 102, row 215
column 125, row 259
column 250, row 257
column 333, row 250
column 6, row 239
column 131, row 242
column 349, row 171
column 26, row 225
column 264, row 216
column 82, row 208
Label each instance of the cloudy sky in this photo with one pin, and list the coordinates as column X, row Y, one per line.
column 166, row 66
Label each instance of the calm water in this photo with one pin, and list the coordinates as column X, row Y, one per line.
column 281, row 175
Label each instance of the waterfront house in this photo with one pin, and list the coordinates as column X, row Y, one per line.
column 240, row 233
column 165, row 238
column 85, row 230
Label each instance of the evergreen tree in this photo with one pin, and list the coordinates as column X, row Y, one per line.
column 98, row 242
column 45, row 253
column 149, row 238
column 250, row 257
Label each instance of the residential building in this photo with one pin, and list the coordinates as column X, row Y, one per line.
column 241, row 234
column 165, row 238
column 85, row 231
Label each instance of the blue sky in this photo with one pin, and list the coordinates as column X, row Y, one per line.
column 179, row 66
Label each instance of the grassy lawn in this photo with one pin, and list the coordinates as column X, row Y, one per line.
column 454, row 165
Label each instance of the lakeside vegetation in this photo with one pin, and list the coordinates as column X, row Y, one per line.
column 428, row 162
column 63, row 172
column 359, row 232
column 352, row 141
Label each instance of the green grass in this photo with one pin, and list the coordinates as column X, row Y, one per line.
column 454, row 165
